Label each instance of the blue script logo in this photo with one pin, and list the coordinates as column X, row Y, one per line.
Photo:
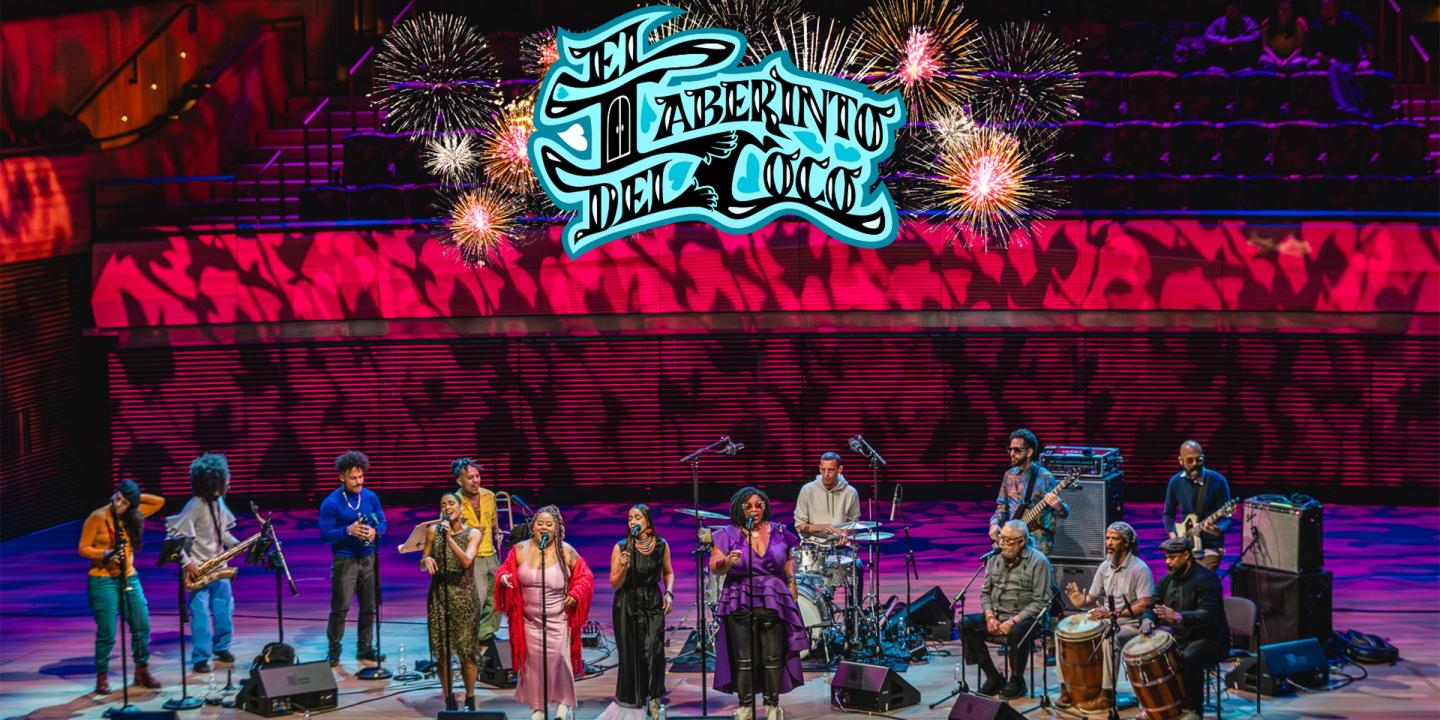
column 632, row 135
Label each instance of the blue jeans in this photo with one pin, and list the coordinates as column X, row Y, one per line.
column 105, row 602
column 212, row 602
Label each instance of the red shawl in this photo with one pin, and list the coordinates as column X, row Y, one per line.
column 510, row 602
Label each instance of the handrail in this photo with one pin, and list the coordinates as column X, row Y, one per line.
column 132, row 60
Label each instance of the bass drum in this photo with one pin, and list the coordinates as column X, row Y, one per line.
column 817, row 613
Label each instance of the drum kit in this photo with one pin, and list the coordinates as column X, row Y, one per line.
column 833, row 601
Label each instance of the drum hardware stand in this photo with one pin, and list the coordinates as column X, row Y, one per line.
column 872, row 595
column 702, row 648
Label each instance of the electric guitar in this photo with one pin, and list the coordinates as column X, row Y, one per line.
column 1190, row 526
column 1032, row 513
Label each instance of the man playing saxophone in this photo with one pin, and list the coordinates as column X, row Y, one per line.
column 203, row 528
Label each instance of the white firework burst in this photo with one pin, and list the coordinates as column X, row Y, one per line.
column 435, row 74
column 451, row 157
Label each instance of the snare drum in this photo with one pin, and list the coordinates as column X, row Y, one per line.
column 840, row 566
column 1082, row 664
column 1153, row 666
column 810, row 559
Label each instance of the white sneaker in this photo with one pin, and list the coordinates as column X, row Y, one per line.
column 744, row 712
column 774, row 712
column 562, row 712
column 537, row 715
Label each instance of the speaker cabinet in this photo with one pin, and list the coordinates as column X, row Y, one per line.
column 1291, row 606
column 979, row 707
column 497, row 668
column 471, row 715
column 284, row 689
column 1281, row 536
column 1082, row 573
column 870, row 688
column 1302, row 662
column 932, row 615
column 1094, row 502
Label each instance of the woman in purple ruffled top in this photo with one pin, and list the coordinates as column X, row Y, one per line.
column 753, row 555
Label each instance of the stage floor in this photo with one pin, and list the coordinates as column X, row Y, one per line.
column 1386, row 563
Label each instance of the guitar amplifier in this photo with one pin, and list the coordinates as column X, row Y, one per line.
column 1283, row 534
column 285, row 689
column 1094, row 502
column 1082, row 573
column 1096, row 461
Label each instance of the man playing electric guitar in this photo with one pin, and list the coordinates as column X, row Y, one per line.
column 1199, row 491
column 1021, row 485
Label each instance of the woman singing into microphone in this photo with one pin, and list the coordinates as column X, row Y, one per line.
column 452, row 608
column 545, row 588
column 765, row 585
column 639, row 566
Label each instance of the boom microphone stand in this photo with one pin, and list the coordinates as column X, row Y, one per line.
column 274, row 560
column 858, row 444
column 725, row 446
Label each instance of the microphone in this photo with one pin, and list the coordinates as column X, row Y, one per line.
column 731, row 447
column 544, row 539
column 855, row 444
column 859, row 445
column 1111, row 600
column 894, row 500
column 521, row 503
column 634, row 531
column 444, row 516
column 750, row 522
column 992, row 553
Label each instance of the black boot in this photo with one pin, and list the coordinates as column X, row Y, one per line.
column 450, row 702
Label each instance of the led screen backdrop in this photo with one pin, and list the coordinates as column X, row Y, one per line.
column 1286, row 410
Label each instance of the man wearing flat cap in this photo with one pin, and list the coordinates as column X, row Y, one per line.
column 1190, row 601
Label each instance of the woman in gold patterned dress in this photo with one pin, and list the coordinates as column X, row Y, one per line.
column 452, row 608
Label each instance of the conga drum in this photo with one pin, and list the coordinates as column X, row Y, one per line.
column 1082, row 663
column 1153, row 666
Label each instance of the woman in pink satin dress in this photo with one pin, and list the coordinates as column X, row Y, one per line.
column 545, row 566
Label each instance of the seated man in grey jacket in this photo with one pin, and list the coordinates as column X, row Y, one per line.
column 1017, row 591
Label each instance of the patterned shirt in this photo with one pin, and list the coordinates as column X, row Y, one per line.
column 1010, row 503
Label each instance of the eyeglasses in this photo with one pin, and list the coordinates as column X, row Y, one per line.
column 1016, row 450
column 1011, row 541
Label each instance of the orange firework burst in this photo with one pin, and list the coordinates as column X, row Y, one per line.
column 987, row 181
column 922, row 48
column 505, row 148
column 482, row 222
column 538, row 52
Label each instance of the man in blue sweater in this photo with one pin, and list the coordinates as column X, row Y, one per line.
column 1199, row 491
column 351, row 521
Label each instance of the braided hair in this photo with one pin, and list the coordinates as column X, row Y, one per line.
column 553, row 512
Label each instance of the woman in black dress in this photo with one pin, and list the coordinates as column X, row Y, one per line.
column 639, row 565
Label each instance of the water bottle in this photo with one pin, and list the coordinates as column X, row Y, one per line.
column 402, row 666
column 210, row 684
column 959, row 673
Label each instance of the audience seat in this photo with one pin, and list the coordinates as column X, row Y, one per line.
column 1310, row 97
column 1206, row 95
column 1150, row 95
column 1194, row 147
column 1260, row 95
column 1297, row 148
column 1350, row 147
column 1245, row 147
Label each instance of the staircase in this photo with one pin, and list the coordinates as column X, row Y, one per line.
column 1421, row 103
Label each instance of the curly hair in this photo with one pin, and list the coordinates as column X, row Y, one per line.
column 209, row 476
column 1028, row 438
column 346, row 461
column 460, row 465
column 737, row 505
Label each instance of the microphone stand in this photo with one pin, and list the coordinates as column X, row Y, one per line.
column 962, row 686
column 379, row 671
column 544, row 633
column 1044, row 669
column 184, row 702
column 754, row 634
column 124, row 585
column 438, row 581
column 275, row 561
column 702, row 551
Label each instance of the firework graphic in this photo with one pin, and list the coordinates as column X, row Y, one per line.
column 481, row 223
column 752, row 18
column 538, row 52
column 924, row 49
column 435, row 74
column 452, row 158
column 504, row 151
column 815, row 44
column 1029, row 73
column 987, row 180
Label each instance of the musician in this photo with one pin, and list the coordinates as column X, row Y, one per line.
column 639, row 569
column 1199, row 491
column 1017, row 591
column 1021, row 485
column 1190, row 601
column 110, row 531
column 1122, row 582
column 450, row 605
column 545, row 572
column 769, row 620
column 351, row 522
column 825, row 502
column 204, row 528
column 477, row 507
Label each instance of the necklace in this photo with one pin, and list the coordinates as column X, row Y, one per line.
column 346, row 495
column 645, row 545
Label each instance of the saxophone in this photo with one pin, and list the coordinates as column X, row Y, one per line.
column 212, row 569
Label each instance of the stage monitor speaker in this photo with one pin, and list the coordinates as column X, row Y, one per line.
column 497, row 668
column 471, row 715
column 1302, row 662
column 283, row 689
column 148, row 715
column 1291, row 606
column 979, row 707
column 1094, row 502
column 1279, row 535
column 932, row 615
column 1080, row 572
column 870, row 688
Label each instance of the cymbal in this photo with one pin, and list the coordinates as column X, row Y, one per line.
column 706, row 514
column 858, row 525
column 872, row 536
